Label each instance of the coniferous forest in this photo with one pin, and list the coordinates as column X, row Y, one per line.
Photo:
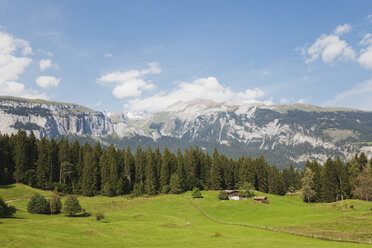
column 72, row 168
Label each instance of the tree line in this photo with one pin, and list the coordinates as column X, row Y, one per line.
column 94, row 170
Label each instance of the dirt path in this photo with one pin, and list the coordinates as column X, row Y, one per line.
column 267, row 228
column 24, row 198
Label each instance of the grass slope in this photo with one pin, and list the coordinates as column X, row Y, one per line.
column 18, row 191
column 291, row 214
column 159, row 221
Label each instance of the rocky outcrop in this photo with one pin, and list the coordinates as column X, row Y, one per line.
column 51, row 119
column 283, row 133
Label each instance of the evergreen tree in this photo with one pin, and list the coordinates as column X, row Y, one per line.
column 180, row 169
column 7, row 166
column 5, row 210
column 109, row 171
column 43, row 164
column 307, row 185
column 129, row 167
column 21, row 156
column 363, row 187
column 64, row 156
column 316, row 169
column 196, row 193
column 90, row 181
column 275, row 182
column 38, row 205
column 175, row 184
column 329, row 181
column 151, row 180
column 71, row 206
column 55, row 204
column 261, row 174
column 343, row 181
column 215, row 179
column 53, row 161
column 140, row 164
column 165, row 168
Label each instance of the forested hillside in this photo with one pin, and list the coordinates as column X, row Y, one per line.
column 93, row 170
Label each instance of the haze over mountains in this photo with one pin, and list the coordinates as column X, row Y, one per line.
column 284, row 134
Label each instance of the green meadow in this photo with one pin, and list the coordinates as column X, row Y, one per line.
column 174, row 221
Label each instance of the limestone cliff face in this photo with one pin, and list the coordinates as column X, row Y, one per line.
column 51, row 119
column 282, row 133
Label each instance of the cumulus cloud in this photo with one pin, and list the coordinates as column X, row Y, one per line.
column 365, row 58
column 46, row 82
column 46, row 63
column 330, row 47
column 342, row 29
column 130, row 83
column 202, row 88
column 358, row 97
column 14, row 60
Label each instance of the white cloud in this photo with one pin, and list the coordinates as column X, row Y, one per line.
column 358, row 97
column 12, row 66
column 46, row 82
column 107, row 55
column 329, row 48
column 46, row 63
column 202, row 88
column 284, row 100
column 342, row 29
column 365, row 58
column 130, row 83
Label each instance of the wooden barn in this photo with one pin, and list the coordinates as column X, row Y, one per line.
column 260, row 198
column 233, row 194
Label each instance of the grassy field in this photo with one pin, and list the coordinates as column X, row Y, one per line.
column 291, row 214
column 163, row 221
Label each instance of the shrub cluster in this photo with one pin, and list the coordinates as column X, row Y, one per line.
column 5, row 210
column 223, row 195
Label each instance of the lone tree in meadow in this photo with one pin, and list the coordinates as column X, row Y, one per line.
column 307, row 185
column 55, row 204
column 71, row 206
column 38, row 205
column 363, row 188
column 196, row 193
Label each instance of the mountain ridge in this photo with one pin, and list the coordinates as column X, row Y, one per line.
column 283, row 133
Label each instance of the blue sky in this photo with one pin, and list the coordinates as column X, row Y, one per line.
column 145, row 55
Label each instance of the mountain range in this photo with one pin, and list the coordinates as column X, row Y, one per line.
column 284, row 134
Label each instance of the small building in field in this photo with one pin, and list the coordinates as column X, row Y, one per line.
column 233, row 194
column 260, row 198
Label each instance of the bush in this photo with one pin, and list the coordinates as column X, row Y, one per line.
column 196, row 193
column 245, row 193
column 38, row 205
column 5, row 210
column 72, row 206
column 55, row 204
column 100, row 216
column 223, row 195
